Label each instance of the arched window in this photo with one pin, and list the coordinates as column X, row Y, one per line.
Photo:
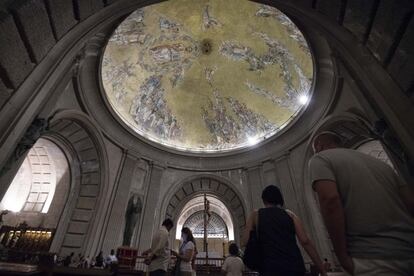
column 216, row 227
column 34, row 186
column 220, row 224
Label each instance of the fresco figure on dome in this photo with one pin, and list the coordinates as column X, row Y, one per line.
column 208, row 20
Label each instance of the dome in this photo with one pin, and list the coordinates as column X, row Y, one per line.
column 207, row 76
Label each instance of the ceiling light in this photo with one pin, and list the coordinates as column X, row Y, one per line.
column 303, row 99
column 252, row 140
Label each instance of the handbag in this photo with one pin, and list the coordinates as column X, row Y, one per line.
column 252, row 254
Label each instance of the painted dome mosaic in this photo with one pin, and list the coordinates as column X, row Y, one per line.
column 207, row 75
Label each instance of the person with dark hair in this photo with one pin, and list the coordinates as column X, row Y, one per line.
column 327, row 265
column 99, row 260
column 277, row 229
column 367, row 208
column 111, row 258
column 233, row 264
column 187, row 252
column 272, row 195
column 68, row 260
column 158, row 256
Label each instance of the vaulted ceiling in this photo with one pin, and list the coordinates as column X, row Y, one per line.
column 207, row 75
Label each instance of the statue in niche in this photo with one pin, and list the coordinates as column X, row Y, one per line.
column 132, row 216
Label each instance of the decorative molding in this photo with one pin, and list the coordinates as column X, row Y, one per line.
column 96, row 105
column 89, row 152
column 212, row 185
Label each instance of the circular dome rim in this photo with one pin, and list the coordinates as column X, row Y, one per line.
column 245, row 147
column 327, row 87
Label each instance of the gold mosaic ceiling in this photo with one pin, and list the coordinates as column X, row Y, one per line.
column 207, row 75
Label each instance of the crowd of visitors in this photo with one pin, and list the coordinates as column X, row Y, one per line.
column 81, row 261
column 367, row 208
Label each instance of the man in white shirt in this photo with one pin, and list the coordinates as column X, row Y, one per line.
column 368, row 209
column 158, row 256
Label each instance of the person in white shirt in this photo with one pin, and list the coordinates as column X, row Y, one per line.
column 233, row 265
column 368, row 209
column 111, row 258
column 87, row 262
column 158, row 256
column 187, row 253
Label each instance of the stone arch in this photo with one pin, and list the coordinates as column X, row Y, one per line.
column 356, row 129
column 375, row 149
column 196, row 205
column 87, row 158
column 39, row 188
column 350, row 125
column 213, row 186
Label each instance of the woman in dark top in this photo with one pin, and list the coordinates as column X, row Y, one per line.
column 277, row 232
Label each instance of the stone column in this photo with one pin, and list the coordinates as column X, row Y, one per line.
column 286, row 184
column 255, row 186
column 151, row 219
column 115, row 226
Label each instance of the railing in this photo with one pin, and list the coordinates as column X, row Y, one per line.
column 139, row 264
column 202, row 265
column 212, row 262
column 208, row 265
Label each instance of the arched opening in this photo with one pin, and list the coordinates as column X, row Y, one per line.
column 84, row 150
column 219, row 224
column 375, row 149
column 186, row 207
column 36, row 198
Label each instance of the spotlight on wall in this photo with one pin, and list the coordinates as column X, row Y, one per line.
column 303, row 99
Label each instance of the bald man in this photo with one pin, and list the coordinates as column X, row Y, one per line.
column 367, row 208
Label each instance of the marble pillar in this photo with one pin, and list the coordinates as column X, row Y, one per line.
column 151, row 217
